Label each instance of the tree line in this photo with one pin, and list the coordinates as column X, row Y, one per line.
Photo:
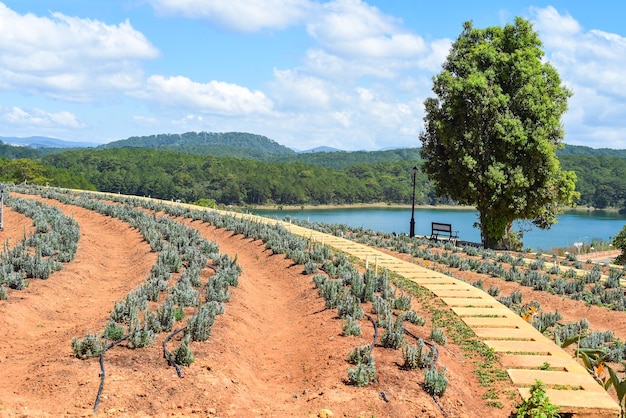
column 601, row 180
column 236, row 181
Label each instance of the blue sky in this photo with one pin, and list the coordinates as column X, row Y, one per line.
column 348, row 74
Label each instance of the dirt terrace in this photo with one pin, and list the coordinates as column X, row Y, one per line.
column 275, row 352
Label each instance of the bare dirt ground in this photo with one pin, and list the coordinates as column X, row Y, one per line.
column 276, row 352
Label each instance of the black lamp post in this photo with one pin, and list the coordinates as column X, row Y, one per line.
column 1, row 207
column 412, row 223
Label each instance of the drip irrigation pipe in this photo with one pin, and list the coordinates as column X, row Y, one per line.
column 375, row 331
column 102, row 374
column 168, row 355
column 435, row 356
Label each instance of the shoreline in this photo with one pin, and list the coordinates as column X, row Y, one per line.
column 275, row 207
column 353, row 206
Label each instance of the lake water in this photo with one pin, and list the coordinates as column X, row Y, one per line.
column 575, row 226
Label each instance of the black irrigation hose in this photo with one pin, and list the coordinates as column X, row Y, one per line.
column 375, row 331
column 435, row 353
column 168, row 355
column 433, row 349
column 102, row 374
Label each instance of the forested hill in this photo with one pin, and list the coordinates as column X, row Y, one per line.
column 228, row 144
column 594, row 152
column 257, row 147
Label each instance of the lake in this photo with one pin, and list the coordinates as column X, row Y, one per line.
column 574, row 226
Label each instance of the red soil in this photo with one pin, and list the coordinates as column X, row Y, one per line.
column 275, row 352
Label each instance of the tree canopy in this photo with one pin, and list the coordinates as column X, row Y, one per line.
column 493, row 129
column 171, row 175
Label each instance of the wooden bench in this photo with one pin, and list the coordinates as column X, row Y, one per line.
column 438, row 228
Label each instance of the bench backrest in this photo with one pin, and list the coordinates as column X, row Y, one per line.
column 436, row 226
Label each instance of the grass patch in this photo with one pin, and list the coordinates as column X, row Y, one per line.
column 485, row 360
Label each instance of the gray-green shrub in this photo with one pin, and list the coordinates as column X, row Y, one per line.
column 416, row 356
column 90, row 346
column 393, row 337
column 351, row 327
column 360, row 354
column 363, row 374
column 182, row 354
column 435, row 381
column 199, row 326
column 437, row 335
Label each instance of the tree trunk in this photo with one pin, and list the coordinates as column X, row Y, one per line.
column 490, row 242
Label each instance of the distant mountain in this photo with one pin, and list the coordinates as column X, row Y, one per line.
column 319, row 149
column 44, row 142
column 228, row 144
column 596, row 152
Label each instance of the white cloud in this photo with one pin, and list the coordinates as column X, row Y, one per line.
column 591, row 63
column 556, row 26
column 214, row 97
column 360, row 86
column 353, row 28
column 69, row 57
column 329, row 66
column 239, row 15
column 595, row 120
column 437, row 53
column 294, row 90
column 38, row 118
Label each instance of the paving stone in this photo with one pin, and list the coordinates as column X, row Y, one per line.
column 521, row 347
column 483, row 311
column 432, row 280
column 505, row 334
column 416, row 275
column 518, row 347
column 519, row 361
column 455, row 286
column 469, row 302
column 580, row 403
column 489, row 322
column 552, row 378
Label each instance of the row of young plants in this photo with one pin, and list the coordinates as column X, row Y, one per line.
column 402, row 243
column 598, row 350
column 487, row 369
column 587, row 285
column 180, row 250
column 283, row 242
column 548, row 323
column 157, row 305
column 343, row 287
column 53, row 241
column 565, row 276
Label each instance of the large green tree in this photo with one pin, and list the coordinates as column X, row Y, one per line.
column 492, row 132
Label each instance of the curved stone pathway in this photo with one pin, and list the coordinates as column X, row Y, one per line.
column 523, row 349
